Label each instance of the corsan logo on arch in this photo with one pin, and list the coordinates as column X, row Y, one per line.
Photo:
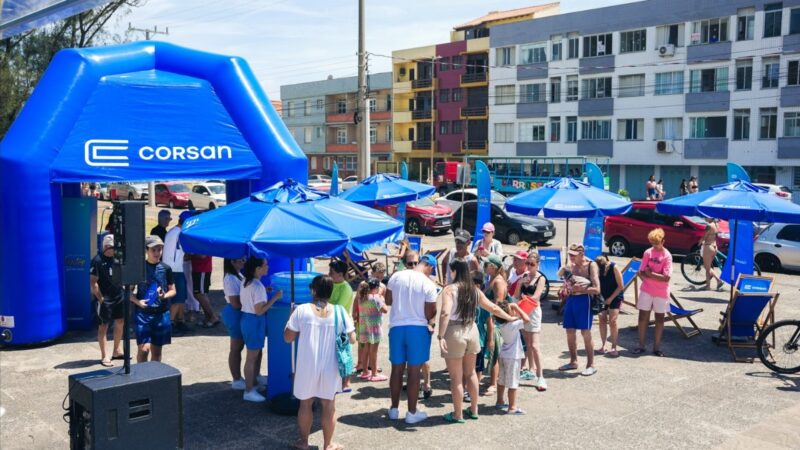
column 114, row 152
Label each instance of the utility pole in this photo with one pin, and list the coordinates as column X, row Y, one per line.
column 151, row 186
column 362, row 120
column 433, row 114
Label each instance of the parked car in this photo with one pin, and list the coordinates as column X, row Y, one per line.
column 101, row 191
column 207, row 196
column 124, row 190
column 425, row 216
column 626, row 235
column 322, row 182
column 174, row 195
column 510, row 228
column 453, row 199
column 778, row 247
column 777, row 189
column 349, row 182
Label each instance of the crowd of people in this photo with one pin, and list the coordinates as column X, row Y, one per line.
column 654, row 190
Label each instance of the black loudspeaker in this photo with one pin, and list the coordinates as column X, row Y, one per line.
column 129, row 241
column 141, row 410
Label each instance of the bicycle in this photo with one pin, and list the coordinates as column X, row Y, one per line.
column 778, row 346
column 692, row 266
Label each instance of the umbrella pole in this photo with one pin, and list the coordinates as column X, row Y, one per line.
column 732, row 254
column 291, row 280
column 566, row 244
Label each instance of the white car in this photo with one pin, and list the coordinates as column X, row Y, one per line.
column 322, row 182
column 207, row 196
column 454, row 199
column 349, row 182
column 778, row 247
column 125, row 190
column 777, row 189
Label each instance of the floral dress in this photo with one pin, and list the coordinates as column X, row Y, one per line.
column 370, row 319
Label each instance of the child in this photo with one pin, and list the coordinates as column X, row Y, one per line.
column 370, row 308
column 511, row 355
column 379, row 272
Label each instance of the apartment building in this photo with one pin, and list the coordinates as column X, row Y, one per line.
column 320, row 116
column 441, row 92
column 666, row 88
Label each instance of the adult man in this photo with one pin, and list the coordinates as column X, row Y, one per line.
column 173, row 256
column 519, row 267
column 577, row 311
column 461, row 251
column 106, row 300
column 342, row 295
column 153, row 327
column 412, row 296
column 160, row 230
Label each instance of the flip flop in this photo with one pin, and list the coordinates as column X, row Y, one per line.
column 377, row 378
column 638, row 351
column 346, row 390
column 516, row 412
column 489, row 391
column 658, row 353
column 501, row 407
column 567, row 367
column 299, row 446
column 106, row 363
column 449, row 418
column 613, row 353
column 335, row 446
column 118, row 357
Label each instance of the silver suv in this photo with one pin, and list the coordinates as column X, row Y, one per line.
column 125, row 190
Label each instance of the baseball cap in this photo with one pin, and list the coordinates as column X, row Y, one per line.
column 521, row 254
column 164, row 213
column 108, row 241
column 488, row 227
column 494, row 260
column 428, row 259
column 152, row 241
column 462, row 235
column 185, row 215
column 575, row 249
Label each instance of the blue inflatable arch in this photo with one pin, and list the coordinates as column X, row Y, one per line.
column 142, row 111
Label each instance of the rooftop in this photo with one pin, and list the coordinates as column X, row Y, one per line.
column 529, row 12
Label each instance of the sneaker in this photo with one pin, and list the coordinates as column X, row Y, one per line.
column 394, row 414
column 589, row 371
column 526, row 375
column 262, row 379
column 417, row 417
column 541, row 385
column 238, row 385
column 254, row 396
column 467, row 398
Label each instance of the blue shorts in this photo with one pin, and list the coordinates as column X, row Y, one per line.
column 155, row 329
column 232, row 318
column 253, row 330
column 578, row 312
column 409, row 344
column 180, row 289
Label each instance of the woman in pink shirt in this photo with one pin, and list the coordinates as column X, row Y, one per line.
column 655, row 273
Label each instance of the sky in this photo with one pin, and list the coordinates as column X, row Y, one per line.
column 294, row 41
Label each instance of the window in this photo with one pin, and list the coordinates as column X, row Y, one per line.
column 341, row 135
column 444, row 64
column 572, row 88
column 555, row 129
column 444, row 95
column 708, row 127
column 531, row 132
column 631, row 85
column 289, row 109
column 455, row 127
column 531, row 93
column 505, row 56
column 572, row 129
column 708, row 80
column 670, row 35
column 373, row 104
column 306, row 107
column 597, row 45
column 744, row 74
column 533, row 53
column 456, row 94
column 573, row 47
column 768, row 123
column 794, row 21
column 341, row 106
column 388, row 133
column 596, row 88
column 741, row 124
column 444, row 126
column 556, row 52
column 710, row 31
column 503, row 95
column 555, row 90
column 793, row 75
column 669, row 83
column 630, row 130
column 318, row 132
column 633, row 41
column 745, row 23
column 373, row 135
column 320, row 103
column 791, row 126
column 595, row 129
column 771, row 73
column 669, row 128
column 773, row 15
column 455, row 63
column 389, row 102
column 789, row 233
column 503, row 132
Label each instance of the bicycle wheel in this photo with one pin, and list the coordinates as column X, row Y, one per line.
column 692, row 268
column 777, row 346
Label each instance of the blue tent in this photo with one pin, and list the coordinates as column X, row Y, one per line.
column 383, row 189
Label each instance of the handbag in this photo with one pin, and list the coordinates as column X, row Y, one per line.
column 343, row 352
column 598, row 303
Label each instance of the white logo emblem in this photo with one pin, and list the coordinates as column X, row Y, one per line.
column 106, row 152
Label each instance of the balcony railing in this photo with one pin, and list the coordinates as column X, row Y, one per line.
column 477, row 77
column 473, row 144
column 422, row 83
column 473, row 111
column 421, row 145
column 421, row 115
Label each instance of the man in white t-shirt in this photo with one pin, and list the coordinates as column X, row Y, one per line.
column 518, row 270
column 173, row 257
column 412, row 297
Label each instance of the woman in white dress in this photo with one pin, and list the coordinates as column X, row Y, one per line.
column 317, row 371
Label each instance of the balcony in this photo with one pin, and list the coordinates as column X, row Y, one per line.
column 479, row 112
column 421, row 145
column 473, row 144
column 706, row 148
column 341, row 148
column 422, row 84
column 425, row 114
column 702, row 53
column 346, row 117
column 474, row 79
column 708, row 101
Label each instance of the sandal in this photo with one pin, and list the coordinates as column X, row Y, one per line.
column 516, row 412
column 468, row 414
column 600, row 351
column 638, row 351
column 118, row 357
column 299, row 445
column 376, row 378
column 449, row 418
column 501, row 407
column 658, row 353
column 491, row 390
column 106, row 363
column 335, row 446
column 613, row 353
column 568, row 366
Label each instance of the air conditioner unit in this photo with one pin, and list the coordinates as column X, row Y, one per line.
column 666, row 50
column 663, row 147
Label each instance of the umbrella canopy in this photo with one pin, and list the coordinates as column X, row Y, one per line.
column 288, row 219
column 568, row 198
column 383, row 189
column 739, row 200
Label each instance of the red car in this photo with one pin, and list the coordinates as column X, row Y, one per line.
column 628, row 233
column 174, row 195
column 424, row 216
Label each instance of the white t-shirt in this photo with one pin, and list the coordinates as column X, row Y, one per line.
column 410, row 291
column 231, row 285
column 512, row 343
column 496, row 247
column 173, row 253
column 251, row 295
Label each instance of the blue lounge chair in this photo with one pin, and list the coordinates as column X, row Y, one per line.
column 549, row 263
column 629, row 279
column 753, row 284
column 678, row 312
column 742, row 322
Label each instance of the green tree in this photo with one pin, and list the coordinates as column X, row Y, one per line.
column 24, row 57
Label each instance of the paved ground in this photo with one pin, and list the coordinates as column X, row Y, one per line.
column 695, row 397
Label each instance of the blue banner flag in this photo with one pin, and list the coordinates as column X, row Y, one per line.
column 742, row 241
column 334, row 180
column 737, row 173
column 593, row 234
column 484, row 195
column 401, row 208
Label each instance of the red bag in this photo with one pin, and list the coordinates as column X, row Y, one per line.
column 528, row 304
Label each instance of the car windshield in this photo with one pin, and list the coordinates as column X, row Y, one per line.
column 784, row 189
column 697, row 219
column 423, row 202
column 178, row 188
column 498, row 197
column 217, row 189
column 323, row 177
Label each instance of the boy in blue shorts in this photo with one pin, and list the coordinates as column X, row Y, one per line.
column 153, row 326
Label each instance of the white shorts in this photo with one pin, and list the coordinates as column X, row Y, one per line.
column 649, row 302
column 535, row 324
column 509, row 373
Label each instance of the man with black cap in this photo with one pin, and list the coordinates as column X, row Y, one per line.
column 153, row 327
column 461, row 251
column 106, row 300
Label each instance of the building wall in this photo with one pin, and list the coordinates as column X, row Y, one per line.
column 450, row 110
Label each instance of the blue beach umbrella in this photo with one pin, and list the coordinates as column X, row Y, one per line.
column 383, row 189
